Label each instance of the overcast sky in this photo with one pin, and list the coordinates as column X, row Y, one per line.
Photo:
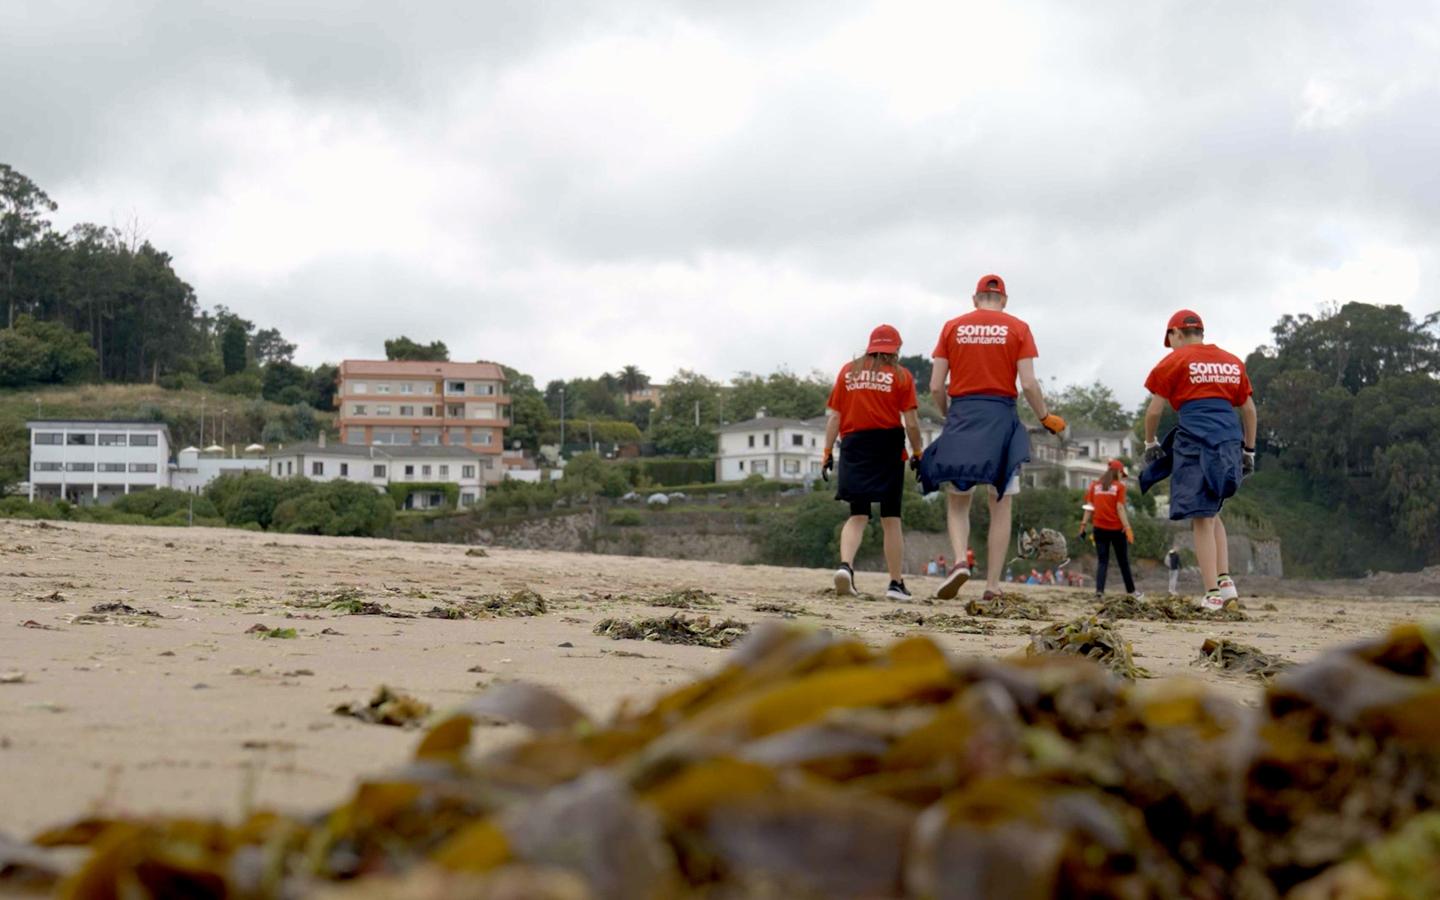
column 748, row 184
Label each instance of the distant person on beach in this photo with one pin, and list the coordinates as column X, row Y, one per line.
column 977, row 361
column 872, row 410
column 1210, row 451
column 1172, row 565
column 1105, row 507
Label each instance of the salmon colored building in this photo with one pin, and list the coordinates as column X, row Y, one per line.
column 404, row 403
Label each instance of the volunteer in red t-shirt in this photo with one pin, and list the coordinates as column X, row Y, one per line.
column 872, row 410
column 977, row 361
column 1105, row 507
column 1209, row 451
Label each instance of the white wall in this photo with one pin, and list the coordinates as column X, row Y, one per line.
column 736, row 460
column 73, row 480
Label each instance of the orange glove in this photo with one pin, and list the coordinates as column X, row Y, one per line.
column 1130, row 535
column 1053, row 423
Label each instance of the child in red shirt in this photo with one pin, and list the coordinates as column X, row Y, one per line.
column 977, row 361
column 1211, row 449
column 1105, row 506
column 872, row 408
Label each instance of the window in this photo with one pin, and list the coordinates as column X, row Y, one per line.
column 425, row 471
column 427, row 388
column 444, row 471
column 797, row 440
column 752, row 440
column 290, row 467
column 355, row 436
column 48, row 467
column 49, row 437
column 407, row 388
column 483, row 437
column 113, row 440
column 741, row 465
column 79, row 467
column 454, row 387
column 455, row 411
column 357, row 409
column 80, row 439
column 143, row 467
column 767, row 440
column 317, row 468
column 379, row 472
column 382, row 410
column 792, row 467
column 409, row 471
column 112, row 467
column 382, row 388
column 344, row 470
column 812, row 442
column 407, row 410
column 761, row 466
column 430, row 437
column 467, row 471
column 359, row 388
column 814, row 467
column 144, row 440
column 467, row 498
column 484, row 390
column 427, row 411
column 279, row 468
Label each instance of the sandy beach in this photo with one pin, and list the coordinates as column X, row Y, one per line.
column 193, row 710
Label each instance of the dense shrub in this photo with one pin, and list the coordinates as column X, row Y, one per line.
column 163, row 502
column 805, row 534
column 340, row 508
column 666, row 472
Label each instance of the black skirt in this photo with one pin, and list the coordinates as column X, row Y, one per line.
column 872, row 466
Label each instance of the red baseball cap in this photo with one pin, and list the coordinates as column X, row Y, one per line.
column 1117, row 465
column 1185, row 318
column 991, row 284
column 884, row 339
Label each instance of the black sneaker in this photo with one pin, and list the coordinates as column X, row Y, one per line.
column 953, row 582
column 845, row 581
column 897, row 591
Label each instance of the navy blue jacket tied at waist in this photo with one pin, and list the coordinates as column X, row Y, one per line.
column 1202, row 459
column 983, row 443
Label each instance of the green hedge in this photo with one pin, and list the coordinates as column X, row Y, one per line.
column 667, row 472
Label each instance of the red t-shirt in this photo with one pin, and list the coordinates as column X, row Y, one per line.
column 1198, row 371
column 872, row 398
column 1107, row 502
column 983, row 348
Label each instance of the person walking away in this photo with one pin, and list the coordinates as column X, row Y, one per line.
column 1105, row 507
column 976, row 363
column 1210, row 451
column 1172, row 565
column 872, row 409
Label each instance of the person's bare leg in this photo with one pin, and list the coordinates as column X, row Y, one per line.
column 1222, row 547
column 1204, row 531
column 850, row 536
column 894, row 546
column 999, row 544
column 957, row 520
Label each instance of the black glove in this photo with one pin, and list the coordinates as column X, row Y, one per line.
column 1153, row 453
column 828, row 465
column 1084, row 532
column 1247, row 461
column 915, row 466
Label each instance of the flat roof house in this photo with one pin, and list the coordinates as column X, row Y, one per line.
column 381, row 467
column 88, row 461
column 425, row 404
column 774, row 448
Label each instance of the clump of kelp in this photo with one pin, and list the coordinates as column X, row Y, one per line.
column 812, row 766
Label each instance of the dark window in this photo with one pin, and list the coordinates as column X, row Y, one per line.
column 49, row 437
column 48, row 467
column 379, row 471
column 752, row 440
column 797, row 440
column 767, row 440
column 112, row 440
column 144, row 440
column 142, row 467
column 85, row 439
column 79, row 467
column 409, row 470
column 317, row 468
column 344, row 470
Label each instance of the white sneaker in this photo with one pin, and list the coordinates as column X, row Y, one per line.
column 845, row 581
column 952, row 583
column 1227, row 589
column 1212, row 601
column 1138, row 595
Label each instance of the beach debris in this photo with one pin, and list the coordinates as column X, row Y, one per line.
column 783, row 607
column 1232, row 656
column 53, row 597
column 811, row 765
column 935, row 621
column 675, row 629
column 387, row 707
column 119, row 608
column 353, row 607
column 31, row 623
column 1008, row 605
column 688, row 598
column 1167, row 609
column 12, row 677
column 523, row 602
column 1089, row 638
column 477, row 551
column 443, row 612
column 17, row 548
column 265, row 631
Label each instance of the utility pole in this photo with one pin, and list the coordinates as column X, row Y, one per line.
column 202, row 421
column 562, row 421
column 697, row 413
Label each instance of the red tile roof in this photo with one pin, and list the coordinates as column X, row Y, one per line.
column 383, row 368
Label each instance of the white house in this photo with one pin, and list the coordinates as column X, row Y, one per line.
column 194, row 468
column 381, row 466
column 1077, row 460
column 774, row 448
column 89, row 461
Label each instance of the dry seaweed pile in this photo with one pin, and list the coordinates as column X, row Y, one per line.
column 676, row 629
column 1230, row 656
column 785, row 608
column 689, row 598
column 1168, row 609
column 1008, row 606
column 936, row 621
column 523, row 602
column 814, row 767
column 1090, row 638
column 387, row 707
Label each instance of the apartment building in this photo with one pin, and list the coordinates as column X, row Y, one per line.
column 395, row 404
column 89, row 461
column 382, row 466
